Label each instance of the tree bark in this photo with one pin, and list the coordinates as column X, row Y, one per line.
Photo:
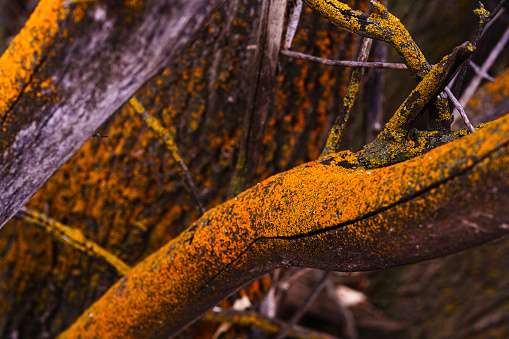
column 123, row 191
column 85, row 60
column 318, row 215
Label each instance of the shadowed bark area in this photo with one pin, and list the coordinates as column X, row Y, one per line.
column 316, row 215
column 467, row 298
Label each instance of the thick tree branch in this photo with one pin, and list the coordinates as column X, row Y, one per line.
column 320, row 215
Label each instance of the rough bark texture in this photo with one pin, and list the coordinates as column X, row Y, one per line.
column 124, row 192
column 260, row 83
column 85, row 61
column 316, row 215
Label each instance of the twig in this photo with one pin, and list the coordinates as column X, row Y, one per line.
column 302, row 310
column 337, row 130
column 346, row 63
column 169, row 141
column 484, row 20
column 271, row 326
column 497, row 15
column 426, row 91
column 384, row 26
column 292, row 25
column 479, row 71
column 74, row 238
column 350, row 331
column 476, row 80
column 460, row 109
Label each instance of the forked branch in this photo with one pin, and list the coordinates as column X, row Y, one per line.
column 382, row 25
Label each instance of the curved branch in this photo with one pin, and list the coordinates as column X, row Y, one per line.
column 319, row 215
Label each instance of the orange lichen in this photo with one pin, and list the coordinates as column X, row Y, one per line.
column 384, row 26
column 276, row 219
column 27, row 50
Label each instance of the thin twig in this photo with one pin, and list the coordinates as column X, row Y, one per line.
column 292, row 25
column 474, row 83
column 497, row 15
column 480, row 72
column 302, row 310
column 337, row 130
column 350, row 330
column 346, row 63
column 169, row 141
column 252, row 319
column 484, row 19
column 476, row 80
column 460, row 109
column 74, row 238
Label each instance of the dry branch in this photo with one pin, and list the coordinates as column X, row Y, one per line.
column 74, row 238
column 345, row 63
column 338, row 128
column 382, row 25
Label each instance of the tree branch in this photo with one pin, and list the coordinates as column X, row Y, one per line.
column 427, row 90
column 322, row 215
column 74, row 238
column 271, row 326
column 338, row 128
column 346, row 63
column 382, row 25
